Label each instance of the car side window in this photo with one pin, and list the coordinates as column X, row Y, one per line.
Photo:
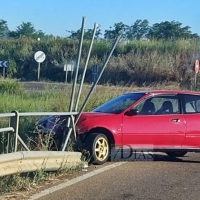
column 191, row 104
column 159, row 105
column 146, row 107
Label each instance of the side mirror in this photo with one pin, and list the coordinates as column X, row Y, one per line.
column 131, row 112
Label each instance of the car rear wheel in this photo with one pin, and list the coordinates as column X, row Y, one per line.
column 176, row 153
column 98, row 147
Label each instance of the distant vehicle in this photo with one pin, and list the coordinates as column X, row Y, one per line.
column 162, row 120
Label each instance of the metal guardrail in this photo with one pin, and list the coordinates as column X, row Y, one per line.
column 14, row 123
column 29, row 161
column 8, row 129
column 7, row 115
column 46, row 113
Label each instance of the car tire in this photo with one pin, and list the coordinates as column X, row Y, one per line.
column 98, row 147
column 176, row 153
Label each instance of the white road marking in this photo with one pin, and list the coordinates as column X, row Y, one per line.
column 74, row 181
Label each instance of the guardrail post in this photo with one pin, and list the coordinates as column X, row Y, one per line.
column 9, row 144
column 14, row 122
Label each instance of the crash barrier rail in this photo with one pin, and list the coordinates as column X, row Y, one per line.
column 14, row 123
column 29, row 161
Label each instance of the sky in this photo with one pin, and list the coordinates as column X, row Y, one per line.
column 57, row 17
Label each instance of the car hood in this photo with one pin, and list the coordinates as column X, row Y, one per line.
column 54, row 123
column 95, row 114
column 87, row 115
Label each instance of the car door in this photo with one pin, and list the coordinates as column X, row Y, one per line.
column 158, row 129
column 191, row 110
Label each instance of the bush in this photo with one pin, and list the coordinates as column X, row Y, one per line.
column 11, row 86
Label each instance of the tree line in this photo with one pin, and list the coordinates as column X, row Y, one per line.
column 138, row 62
column 163, row 52
column 140, row 29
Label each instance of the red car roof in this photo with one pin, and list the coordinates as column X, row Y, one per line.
column 170, row 92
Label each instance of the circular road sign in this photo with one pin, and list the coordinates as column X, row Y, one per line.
column 39, row 56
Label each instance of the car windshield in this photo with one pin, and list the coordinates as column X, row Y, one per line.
column 119, row 104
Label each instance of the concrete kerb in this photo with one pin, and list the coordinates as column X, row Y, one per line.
column 29, row 161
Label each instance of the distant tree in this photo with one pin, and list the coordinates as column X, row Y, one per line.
column 170, row 30
column 87, row 34
column 4, row 31
column 13, row 34
column 26, row 29
column 40, row 34
column 119, row 29
column 138, row 30
column 195, row 35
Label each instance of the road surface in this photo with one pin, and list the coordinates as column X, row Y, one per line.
column 33, row 85
column 163, row 178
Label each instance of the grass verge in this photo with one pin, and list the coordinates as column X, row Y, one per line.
column 51, row 99
column 21, row 185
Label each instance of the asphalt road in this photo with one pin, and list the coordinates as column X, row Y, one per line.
column 34, row 85
column 163, row 178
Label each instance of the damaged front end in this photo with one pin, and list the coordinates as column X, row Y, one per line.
column 50, row 131
column 53, row 124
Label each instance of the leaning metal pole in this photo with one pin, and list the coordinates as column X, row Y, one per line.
column 90, row 92
column 95, row 83
column 86, row 64
column 75, row 80
column 77, row 65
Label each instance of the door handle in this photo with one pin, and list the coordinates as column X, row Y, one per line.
column 175, row 120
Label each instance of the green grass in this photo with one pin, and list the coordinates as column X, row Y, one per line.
column 21, row 184
column 51, row 99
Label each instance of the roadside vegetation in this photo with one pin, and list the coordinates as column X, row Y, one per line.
column 134, row 62
column 159, row 53
column 15, row 97
column 20, row 186
column 160, row 56
column 135, row 65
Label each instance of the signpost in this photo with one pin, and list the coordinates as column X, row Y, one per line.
column 68, row 68
column 196, row 69
column 94, row 73
column 4, row 64
column 39, row 58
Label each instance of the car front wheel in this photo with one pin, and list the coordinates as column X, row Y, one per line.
column 176, row 153
column 98, row 147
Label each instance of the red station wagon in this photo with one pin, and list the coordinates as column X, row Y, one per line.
column 165, row 121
